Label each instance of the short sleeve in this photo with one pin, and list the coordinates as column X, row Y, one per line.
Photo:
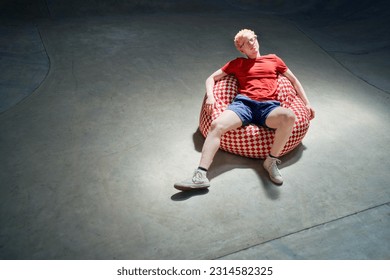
column 281, row 67
column 231, row 67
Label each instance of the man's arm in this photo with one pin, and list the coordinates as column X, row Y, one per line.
column 301, row 92
column 210, row 82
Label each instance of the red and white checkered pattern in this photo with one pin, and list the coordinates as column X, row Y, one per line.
column 253, row 141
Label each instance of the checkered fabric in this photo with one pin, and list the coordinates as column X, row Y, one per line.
column 253, row 141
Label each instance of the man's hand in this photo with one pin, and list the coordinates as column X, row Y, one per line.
column 210, row 82
column 209, row 106
column 311, row 111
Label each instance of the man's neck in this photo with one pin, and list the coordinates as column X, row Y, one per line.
column 255, row 56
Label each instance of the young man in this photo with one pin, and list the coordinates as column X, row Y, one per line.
column 255, row 104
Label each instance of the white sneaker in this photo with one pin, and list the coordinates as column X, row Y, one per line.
column 198, row 181
column 270, row 164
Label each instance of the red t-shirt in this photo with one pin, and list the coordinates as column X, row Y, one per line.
column 256, row 77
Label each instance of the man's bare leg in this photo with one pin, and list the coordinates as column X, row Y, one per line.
column 282, row 120
column 228, row 120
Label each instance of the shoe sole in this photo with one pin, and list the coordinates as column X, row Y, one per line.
column 276, row 182
column 188, row 188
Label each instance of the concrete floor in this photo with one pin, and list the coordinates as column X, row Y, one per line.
column 89, row 158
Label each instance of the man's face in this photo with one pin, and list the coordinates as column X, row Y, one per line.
column 250, row 46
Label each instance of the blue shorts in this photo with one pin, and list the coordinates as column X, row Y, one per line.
column 252, row 111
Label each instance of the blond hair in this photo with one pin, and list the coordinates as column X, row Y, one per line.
column 241, row 36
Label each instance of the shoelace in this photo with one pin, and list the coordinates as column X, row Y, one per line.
column 278, row 161
column 274, row 168
column 198, row 177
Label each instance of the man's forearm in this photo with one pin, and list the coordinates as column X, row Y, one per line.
column 301, row 92
column 210, row 86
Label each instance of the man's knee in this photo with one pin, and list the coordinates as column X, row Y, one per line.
column 286, row 118
column 289, row 117
column 217, row 127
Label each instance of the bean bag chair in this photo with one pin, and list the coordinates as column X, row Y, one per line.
column 253, row 141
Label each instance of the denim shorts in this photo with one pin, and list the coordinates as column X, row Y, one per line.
column 252, row 111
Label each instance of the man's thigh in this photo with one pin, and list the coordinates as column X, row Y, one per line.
column 278, row 116
column 228, row 120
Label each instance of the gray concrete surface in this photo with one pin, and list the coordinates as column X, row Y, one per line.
column 88, row 161
column 356, row 34
column 359, row 237
column 24, row 63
